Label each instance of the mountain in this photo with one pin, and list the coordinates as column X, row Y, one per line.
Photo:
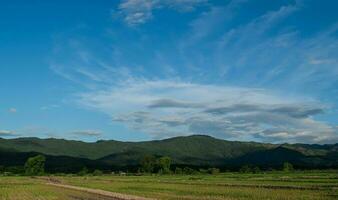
column 196, row 150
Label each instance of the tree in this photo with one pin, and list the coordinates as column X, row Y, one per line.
column 245, row 169
column 213, row 171
column 256, row 170
column 148, row 163
column 83, row 171
column 188, row 170
column 97, row 172
column 287, row 167
column 164, row 164
column 178, row 170
column 35, row 165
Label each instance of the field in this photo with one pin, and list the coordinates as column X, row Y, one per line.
column 296, row 185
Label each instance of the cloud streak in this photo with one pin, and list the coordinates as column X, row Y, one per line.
column 6, row 133
column 136, row 12
column 91, row 133
column 12, row 110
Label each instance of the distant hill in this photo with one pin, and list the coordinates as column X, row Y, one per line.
column 196, row 150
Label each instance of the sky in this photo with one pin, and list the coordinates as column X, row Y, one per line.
column 135, row 70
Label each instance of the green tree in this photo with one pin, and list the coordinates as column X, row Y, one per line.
column 188, row 170
column 204, row 171
column 97, row 172
column 256, row 170
column 148, row 163
column 178, row 170
column 83, row 171
column 213, row 171
column 35, row 165
column 164, row 164
column 287, row 167
column 245, row 169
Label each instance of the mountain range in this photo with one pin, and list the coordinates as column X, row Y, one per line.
column 195, row 151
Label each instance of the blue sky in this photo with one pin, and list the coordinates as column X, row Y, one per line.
column 135, row 70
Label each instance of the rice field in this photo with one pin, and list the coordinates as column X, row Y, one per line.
column 230, row 186
column 25, row 188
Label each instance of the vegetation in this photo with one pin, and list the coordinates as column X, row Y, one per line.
column 148, row 164
column 35, row 165
column 26, row 188
column 83, row 172
column 279, row 185
column 97, row 173
column 287, row 167
column 188, row 155
column 164, row 165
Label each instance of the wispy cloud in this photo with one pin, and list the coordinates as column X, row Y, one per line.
column 262, row 52
column 87, row 132
column 6, row 133
column 170, row 108
column 135, row 12
column 49, row 107
column 12, row 110
column 207, row 64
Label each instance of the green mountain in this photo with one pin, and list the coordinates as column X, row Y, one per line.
column 196, row 150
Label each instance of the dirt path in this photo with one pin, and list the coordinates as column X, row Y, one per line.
column 103, row 193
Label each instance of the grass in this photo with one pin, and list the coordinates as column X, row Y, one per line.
column 25, row 188
column 280, row 186
column 300, row 185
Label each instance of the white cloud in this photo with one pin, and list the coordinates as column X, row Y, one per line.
column 254, row 53
column 263, row 52
column 87, row 132
column 5, row 133
column 12, row 110
column 136, row 12
column 164, row 108
column 49, row 107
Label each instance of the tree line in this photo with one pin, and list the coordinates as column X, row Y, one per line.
column 35, row 166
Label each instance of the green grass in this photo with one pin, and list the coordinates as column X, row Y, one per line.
column 25, row 188
column 308, row 185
